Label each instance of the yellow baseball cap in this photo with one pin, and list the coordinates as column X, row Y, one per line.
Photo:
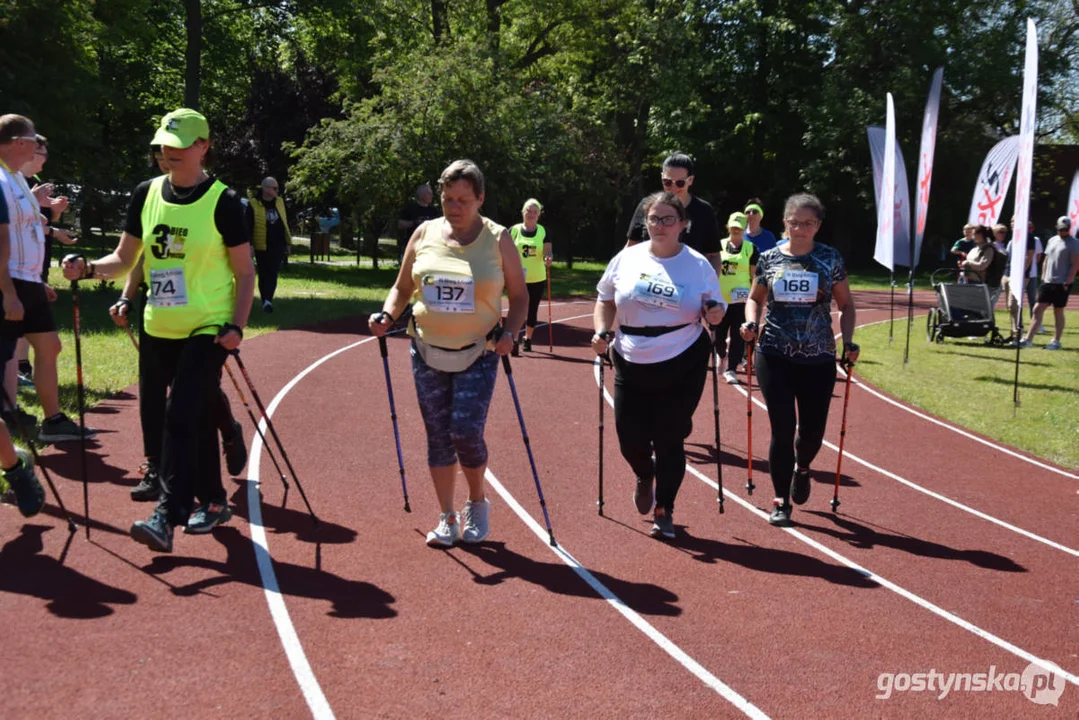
column 181, row 128
column 737, row 219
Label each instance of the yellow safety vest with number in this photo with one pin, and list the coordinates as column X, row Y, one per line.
column 186, row 265
column 734, row 278
column 531, row 249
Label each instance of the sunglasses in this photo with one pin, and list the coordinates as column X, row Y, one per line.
column 667, row 182
column 753, row 212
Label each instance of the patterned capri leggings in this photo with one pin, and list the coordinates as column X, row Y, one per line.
column 454, row 408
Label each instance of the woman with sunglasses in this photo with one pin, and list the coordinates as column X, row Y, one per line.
column 795, row 360
column 190, row 229
column 658, row 291
column 531, row 240
column 762, row 239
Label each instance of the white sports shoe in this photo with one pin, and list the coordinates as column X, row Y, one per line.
column 730, row 377
column 447, row 533
column 477, row 521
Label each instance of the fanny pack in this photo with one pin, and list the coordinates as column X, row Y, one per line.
column 448, row 359
column 651, row 330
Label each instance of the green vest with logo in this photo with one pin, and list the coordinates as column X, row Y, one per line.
column 186, row 264
column 531, row 249
column 734, row 279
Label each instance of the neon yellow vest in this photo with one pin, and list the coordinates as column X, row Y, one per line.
column 478, row 265
column 258, row 232
column 186, row 265
column 734, row 275
column 531, row 249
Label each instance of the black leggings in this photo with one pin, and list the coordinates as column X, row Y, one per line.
column 179, row 388
column 653, row 407
column 783, row 383
column 732, row 325
column 535, row 295
column 268, row 265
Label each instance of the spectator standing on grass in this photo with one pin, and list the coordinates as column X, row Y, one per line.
column 1035, row 267
column 962, row 246
column 270, row 237
column 979, row 262
column 1059, row 268
column 1030, row 273
column 415, row 213
column 762, row 239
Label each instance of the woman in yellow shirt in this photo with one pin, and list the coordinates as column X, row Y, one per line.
column 453, row 272
column 531, row 240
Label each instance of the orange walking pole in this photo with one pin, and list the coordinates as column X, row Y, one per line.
column 848, row 367
column 550, row 325
column 750, row 487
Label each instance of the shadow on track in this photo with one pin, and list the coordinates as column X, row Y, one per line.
column 864, row 537
column 26, row 570
column 284, row 520
column 349, row 598
column 557, row 577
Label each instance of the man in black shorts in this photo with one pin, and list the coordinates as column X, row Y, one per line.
column 1059, row 268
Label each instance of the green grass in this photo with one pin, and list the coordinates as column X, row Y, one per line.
column 970, row 384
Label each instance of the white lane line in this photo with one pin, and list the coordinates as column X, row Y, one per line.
column 961, row 431
column 661, row 640
column 902, row 592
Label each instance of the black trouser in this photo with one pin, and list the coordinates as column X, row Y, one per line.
column 269, row 265
column 784, row 383
column 731, row 325
column 187, row 372
column 535, row 295
column 653, row 407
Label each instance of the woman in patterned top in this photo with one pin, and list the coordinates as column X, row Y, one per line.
column 796, row 353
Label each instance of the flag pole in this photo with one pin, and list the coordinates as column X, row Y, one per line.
column 891, row 308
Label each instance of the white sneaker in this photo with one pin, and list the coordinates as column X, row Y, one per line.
column 1054, row 345
column 477, row 519
column 730, row 377
column 1026, row 343
column 447, row 533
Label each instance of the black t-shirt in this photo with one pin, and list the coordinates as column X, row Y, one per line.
column 228, row 214
column 701, row 233
column 416, row 213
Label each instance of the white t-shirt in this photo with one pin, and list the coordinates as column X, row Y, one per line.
column 1033, row 272
column 649, row 291
column 26, row 235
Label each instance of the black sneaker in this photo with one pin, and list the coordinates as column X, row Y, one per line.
column 155, row 533
column 516, row 352
column 643, row 497
column 663, row 524
column 149, row 487
column 20, row 416
column 781, row 514
column 61, row 428
column 235, row 450
column 526, row 345
column 29, row 495
column 800, row 487
column 267, row 306
column 207, row 517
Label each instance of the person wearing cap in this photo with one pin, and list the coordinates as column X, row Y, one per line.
column 659, row 292
column 701, row 231
column 1059, row 267
column 762, row 239
column 531, row 240
column 190, row 229
column 270, row 236
column 735, row 279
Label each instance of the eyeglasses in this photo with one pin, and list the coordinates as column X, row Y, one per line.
column 25, row 137
column 796, row 225
column 667, row 182
column 663, row 220
column 753, row 212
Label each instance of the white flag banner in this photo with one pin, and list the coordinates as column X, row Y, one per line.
column 925, row 159
column 884, row 253
column 1026, row 163
column 901, row 199
column 1073, row 204
column 994, row 179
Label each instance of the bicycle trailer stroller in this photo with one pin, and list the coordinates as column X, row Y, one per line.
column 962, row 311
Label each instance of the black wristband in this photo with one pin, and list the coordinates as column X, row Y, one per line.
column 124, row 300
column 751, row 325
column 849, row 347
column 382, row 315
column 603, row 334
column 227, row 327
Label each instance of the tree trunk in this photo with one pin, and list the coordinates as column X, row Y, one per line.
column 440, row 19
column 494, row 22
column 193, row 53
column 760, row 91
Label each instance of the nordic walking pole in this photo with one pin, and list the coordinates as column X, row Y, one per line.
column 750, row 487
column 131, row 336
column 37, row 461
column 258, row 429
column 81, row 392
column 715, row 407
column 848, row 368
column 603, row 359
column 393, row 417
column 528, row 446
column 550, row 325
column 269, row 423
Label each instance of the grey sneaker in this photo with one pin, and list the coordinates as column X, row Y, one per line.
column 1026, row 343
column 477, row 521
column 643, row 496
column 207, row 517
column 149, row 487
column 781, row 514
column 235, row 450
column 1054, row 345
column 663, row 524
column 155, row 533
column 447, row 533
column 60, row 429
column 29, row 495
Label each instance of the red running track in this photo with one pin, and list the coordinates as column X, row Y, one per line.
column 362, row 620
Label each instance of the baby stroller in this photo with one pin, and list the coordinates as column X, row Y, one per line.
column 963, row 310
